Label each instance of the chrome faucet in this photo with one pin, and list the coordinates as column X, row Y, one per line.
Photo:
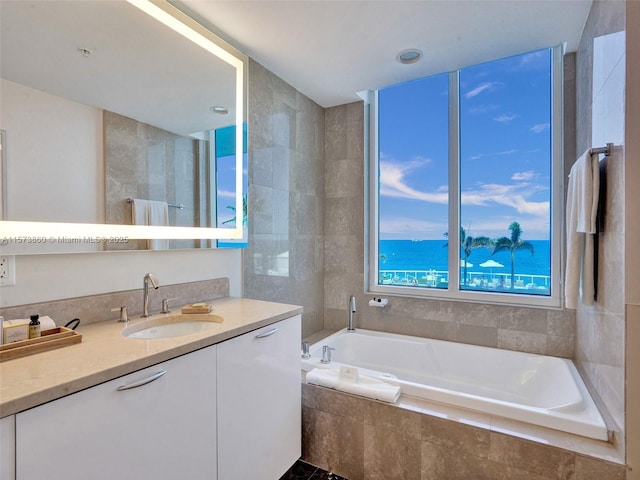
column 145, row 292
column 352, row 310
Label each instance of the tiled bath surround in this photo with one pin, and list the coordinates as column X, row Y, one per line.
column 364, row 439
column 284, row 259
column 532, row 330
column 600, row 118
column 337, row 224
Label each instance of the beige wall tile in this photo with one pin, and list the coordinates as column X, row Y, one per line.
column 600, row 329
column 454, row 435
column 97, row 308
column 533, row 457
column 335, row 443
column 334, row 402
column 390, row 455
column 590, row 469
column 286, row 197
column 633, row 388
column 390, row 418
column 522, row 341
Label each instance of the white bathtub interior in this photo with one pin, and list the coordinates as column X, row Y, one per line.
column 536, row 389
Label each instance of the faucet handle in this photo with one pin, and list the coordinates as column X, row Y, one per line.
column 124, row 316
column 305, row 350
column 326, row 354
column 165, row 305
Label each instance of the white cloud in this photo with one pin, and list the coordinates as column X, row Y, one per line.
column 517, row 196
column 493, row 154
column 523, row 176
column 393, row 182
column 514, row 196
column 505, row 118
column 534, row 59
column 226, row 194
column 540, row 127
column 480, row 88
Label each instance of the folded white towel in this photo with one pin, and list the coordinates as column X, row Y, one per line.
column 366, row 386
column 151, row 212
column 582, row 209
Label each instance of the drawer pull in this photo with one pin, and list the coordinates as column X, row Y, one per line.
column 142, row 382
column 267, row 334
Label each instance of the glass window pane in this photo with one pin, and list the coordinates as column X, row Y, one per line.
column 505, row 174
column 413, row 183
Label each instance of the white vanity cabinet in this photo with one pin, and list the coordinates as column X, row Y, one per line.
column 7, row 448
column 259, row 425
column 127, row 429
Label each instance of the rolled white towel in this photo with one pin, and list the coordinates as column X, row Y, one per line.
column 366, row 386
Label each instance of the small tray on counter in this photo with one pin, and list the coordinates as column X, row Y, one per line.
column 48, row 340
column 197, row 308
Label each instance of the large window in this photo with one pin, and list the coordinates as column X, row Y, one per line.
column 464, row 188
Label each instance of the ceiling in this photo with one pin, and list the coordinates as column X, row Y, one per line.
column 136, row 67
column 329, row 50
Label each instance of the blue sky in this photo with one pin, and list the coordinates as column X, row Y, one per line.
column 504, row 151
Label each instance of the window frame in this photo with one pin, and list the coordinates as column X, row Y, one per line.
column 453, row 290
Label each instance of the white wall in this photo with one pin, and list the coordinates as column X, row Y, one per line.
column 54, row 161
column 49, row 277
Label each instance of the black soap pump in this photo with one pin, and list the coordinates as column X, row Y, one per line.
column 34, row 326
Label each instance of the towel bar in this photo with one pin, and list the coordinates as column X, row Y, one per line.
column 179, row 206
column 606, row 150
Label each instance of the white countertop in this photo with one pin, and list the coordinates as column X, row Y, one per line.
column 104, row 354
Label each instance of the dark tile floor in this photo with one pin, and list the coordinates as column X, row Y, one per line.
column 302, row 470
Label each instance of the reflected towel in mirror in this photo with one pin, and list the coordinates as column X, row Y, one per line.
column 151, row 212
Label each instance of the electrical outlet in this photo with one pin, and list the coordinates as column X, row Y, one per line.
column 7, row 270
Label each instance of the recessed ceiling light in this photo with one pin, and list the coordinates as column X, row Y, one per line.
column 220, row 110
column 409, row 56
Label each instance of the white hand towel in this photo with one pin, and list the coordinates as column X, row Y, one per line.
column 366, row 386
column 582, row 209
column 151, row 212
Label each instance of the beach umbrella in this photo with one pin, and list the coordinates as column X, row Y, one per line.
column 462, row 263
column 491, row 264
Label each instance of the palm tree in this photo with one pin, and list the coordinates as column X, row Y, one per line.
column 467, row 244
column 244, row 212
column 512, row 245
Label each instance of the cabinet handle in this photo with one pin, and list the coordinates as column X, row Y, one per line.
column 267, row 334
column 142, row 382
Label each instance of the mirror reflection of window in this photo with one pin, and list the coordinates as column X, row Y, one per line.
column 226, row 215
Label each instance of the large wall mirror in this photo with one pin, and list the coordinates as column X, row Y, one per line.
column 123, row 128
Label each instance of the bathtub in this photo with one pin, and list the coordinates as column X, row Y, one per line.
column 536, row 389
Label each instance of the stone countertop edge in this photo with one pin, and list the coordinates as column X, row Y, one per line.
column 104, row 354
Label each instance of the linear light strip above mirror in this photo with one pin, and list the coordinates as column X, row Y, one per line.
column 177, row 21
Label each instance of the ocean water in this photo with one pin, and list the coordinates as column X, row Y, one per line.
column 432, row 254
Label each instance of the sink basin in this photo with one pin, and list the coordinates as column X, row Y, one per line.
column 170, row 326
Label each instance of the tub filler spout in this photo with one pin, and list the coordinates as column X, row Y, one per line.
column 352, row 310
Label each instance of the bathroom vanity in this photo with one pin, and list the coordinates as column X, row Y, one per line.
column 224, row 403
